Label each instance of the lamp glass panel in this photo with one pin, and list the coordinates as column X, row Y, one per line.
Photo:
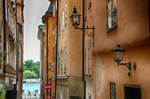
column 118, row 56
column 76, row 20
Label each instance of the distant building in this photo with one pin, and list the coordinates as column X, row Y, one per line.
column 20, row 46
column 49, row 46
column 40, row 36
column 2, row 78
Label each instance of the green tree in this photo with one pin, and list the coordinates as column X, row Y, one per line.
column 37, row 63
column 36, row 69
column 28, row 63
column 29, row 74
column 31, row 69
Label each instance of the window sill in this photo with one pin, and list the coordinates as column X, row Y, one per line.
column 111, row 29
column 88, row 76
column 62, row 77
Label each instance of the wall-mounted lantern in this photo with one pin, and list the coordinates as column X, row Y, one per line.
column 75, row 20
column 118, row 54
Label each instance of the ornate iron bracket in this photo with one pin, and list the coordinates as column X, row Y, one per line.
column 129, row 66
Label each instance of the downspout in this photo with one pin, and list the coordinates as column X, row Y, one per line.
column 83, row 39
column 4, row 38
column 16, row 49
column 56, row 47
column 47, row 56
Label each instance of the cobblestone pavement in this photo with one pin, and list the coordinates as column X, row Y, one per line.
column 31, row 98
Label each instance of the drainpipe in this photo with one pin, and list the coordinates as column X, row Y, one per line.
column 148, row 18
column 4, row 38
column 56, row 47
column 47, row 56
column 16, row 50
column 83, row 39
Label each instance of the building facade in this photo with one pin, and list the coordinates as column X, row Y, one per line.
column 19, row 46
column 124, row 23
column 69, row 58
column 49, row 19
column 2, row 79
column 40, row 36
column 9, row 41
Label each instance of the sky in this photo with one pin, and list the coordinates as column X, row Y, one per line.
column 33, row 12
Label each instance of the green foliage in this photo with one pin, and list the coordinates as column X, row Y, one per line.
column 31, row 69
column 36, row 69
column 29, row 63
column 27, row 74
column 2, row 92
column 37, row 63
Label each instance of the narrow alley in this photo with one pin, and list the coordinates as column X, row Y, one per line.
column 74, row 49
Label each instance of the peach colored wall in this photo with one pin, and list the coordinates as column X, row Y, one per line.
column 107, row 71
column 132, row 28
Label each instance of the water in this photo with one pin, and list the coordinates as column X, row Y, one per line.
column 31, row 87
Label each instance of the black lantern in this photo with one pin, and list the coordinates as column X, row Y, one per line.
column 75, row 18
column 118, row 53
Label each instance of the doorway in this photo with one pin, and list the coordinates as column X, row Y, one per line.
column 132, row 92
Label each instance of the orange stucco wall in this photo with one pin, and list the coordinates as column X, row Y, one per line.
column 49, row 28
column 107, row 71
column 132, row 27
column 132, row 34
column 51, row 54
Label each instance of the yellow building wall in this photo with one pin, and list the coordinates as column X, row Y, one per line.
column 74, row 42
column 70, row 84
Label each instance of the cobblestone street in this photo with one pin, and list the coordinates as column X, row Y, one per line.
column 33, row 97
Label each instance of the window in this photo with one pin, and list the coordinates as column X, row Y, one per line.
column 132, row 92
column 56, row 5
column 111, row 15
column 89, row 96
column 63, row 24
column 65, row 61
column 58, row 63
column 61, row 64
column 6, row 10
column 112, row 90
column 90, row 58
column 90, row 4
column 66, row 15
column 59, row 27
column 75, row 97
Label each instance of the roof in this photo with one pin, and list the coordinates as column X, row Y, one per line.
column 49, row 11
column 42, row 26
